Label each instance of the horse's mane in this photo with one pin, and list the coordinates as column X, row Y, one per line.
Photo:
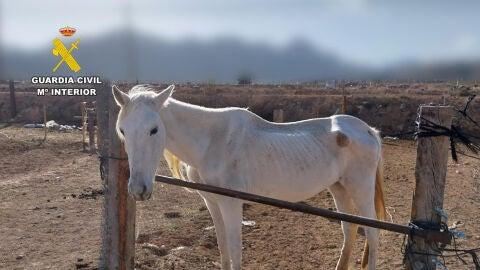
column 139, row 88
column 140, row 94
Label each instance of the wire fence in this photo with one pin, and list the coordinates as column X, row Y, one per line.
column 425, row 128
column 440, row 251
column 148, row 221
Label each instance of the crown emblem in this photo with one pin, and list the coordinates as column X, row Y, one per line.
column 67, row 31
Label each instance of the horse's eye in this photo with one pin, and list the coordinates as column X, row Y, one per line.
column 121, row 131
column 153, row 131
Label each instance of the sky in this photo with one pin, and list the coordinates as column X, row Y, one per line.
column 372, row 32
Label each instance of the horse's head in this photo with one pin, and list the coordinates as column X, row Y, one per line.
column 140, row 126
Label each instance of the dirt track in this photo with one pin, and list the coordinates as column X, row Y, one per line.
column 51, row 205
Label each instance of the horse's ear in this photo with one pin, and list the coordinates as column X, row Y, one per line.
column 120, row 97
column 161, row 97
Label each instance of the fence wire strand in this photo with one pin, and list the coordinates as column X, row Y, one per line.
column 439, row 250
column 426, row 128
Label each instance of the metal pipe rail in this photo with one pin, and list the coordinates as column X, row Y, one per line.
column 437, row 236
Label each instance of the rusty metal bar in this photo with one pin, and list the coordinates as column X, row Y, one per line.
column 442, row 237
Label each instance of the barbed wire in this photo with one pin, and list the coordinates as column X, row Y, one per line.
column 463, row 111
column 103, row 164
column 426, row 128
column 467, row 155
column 438, row 250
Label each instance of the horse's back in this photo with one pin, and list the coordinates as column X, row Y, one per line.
column 339, row 128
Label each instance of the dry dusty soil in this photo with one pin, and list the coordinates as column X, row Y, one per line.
column 51, row 206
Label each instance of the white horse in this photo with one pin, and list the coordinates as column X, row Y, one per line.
column 236, row 149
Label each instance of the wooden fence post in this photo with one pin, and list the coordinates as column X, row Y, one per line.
column 97, row 134
column 13, row 102
column 344, row 99
column 430, row 173
column 278, row 115
column 83, row 109
column 45, row 128
column 91, row 128
column 118, row 231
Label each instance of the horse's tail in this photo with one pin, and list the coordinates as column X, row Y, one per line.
column 380, row 208
column 173, row 164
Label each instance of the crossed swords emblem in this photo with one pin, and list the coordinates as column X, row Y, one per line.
column 60, row 49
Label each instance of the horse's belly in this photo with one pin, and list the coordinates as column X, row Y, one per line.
column 290, row 187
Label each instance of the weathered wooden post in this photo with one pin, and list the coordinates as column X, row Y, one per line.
column 13, row 102
column 430, row 173
column 91, row 129
column 83, row 109
column 45, row 128
column 344, row 99
column 118, row 234
column 97, row 134
column 278, row 115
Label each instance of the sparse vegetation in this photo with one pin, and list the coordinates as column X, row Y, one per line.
column 299, row 101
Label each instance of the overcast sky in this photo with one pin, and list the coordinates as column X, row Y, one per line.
column 376, row 32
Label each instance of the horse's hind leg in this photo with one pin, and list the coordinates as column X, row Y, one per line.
column 368, row 210
column 371, row 234
column 219, row 231
column 344, row 204
column 363, row 196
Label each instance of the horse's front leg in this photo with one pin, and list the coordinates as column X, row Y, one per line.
column 219, row 231
column 231, row 210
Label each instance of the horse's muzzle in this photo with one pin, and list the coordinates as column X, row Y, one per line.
column 139, row 192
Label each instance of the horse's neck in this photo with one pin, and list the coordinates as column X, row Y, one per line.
column 188, row 129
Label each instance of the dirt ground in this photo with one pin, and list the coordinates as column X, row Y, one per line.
column 51, row 206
